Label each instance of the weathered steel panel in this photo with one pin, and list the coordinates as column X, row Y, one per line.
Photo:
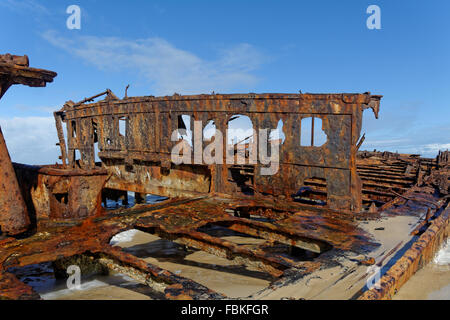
column 150, row 122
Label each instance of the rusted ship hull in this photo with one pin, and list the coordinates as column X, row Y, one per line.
column 316, row 209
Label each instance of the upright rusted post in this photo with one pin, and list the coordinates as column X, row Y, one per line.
column 62, row 141
column 139, row 197
column 14, row 217
column 13, row 211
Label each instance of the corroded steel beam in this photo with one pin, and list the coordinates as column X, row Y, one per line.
column 16, row 70
column 163, row 281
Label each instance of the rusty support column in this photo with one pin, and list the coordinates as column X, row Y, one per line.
column 62, row 141
column 13, row 211
column 139, row 197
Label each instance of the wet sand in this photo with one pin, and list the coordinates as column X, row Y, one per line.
column 102, row 288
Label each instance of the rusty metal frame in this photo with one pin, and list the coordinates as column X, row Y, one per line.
column 146, row 146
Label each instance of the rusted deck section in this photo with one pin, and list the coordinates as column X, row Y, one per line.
column 309, row 214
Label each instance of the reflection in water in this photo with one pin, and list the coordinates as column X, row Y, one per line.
column 149, row 199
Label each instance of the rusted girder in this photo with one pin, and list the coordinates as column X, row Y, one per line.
column 160, row 280
column 16, row 70
column 226, row 249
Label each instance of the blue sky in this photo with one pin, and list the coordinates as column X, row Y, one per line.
column 188, row 47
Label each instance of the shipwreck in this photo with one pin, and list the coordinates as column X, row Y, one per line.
column 317, row 218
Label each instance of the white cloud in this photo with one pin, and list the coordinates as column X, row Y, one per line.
column 31, row 140
column 42, row 109
column 167, row 67
column 406, row 129
column 429, row 150
column 24, row 6
column 385, row 142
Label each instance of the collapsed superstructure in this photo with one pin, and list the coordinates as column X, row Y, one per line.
column 314, row 202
